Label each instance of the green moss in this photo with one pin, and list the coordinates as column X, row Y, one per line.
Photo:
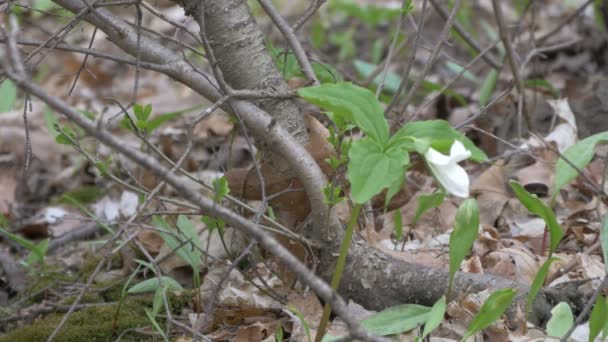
column 91, row 324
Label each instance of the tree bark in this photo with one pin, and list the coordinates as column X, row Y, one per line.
column 240, row 50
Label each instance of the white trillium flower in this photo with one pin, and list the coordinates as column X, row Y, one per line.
column 452, row 176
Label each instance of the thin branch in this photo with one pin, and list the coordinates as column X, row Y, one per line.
column 443, row 37
column 391, row 49
column 406, row 73
column 466, row 36
column 310, row 11
column 511, row 58
column 291, row 38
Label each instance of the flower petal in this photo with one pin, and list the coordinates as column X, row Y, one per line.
column 435, row 157
column 452, row 177
column 458, row 152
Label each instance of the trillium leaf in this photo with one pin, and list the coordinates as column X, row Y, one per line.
column 538, row 208
column 490, row 311
column 153, row 284
column 8, row 96
column 579, row 154
column 352, row 103
column 426, row 202
column 561, row 320
column 538, row 281
column 466, row 226
column 372, row 169
column 435, row 317
column 598, row 320
column 441, row 136
column 396, row 319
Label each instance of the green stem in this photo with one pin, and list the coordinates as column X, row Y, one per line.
column 337, row 276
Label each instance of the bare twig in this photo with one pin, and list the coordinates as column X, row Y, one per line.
column 291, row 38
column 466, row 36
column 542, row 39
column 310, row 11
column 406, row 74
column 443, row 37
column 391, row 49
column 511, row 58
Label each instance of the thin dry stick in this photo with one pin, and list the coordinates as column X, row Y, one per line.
column 466, row 36
column 83, row 64
column 410, row 62
column 542, row 39
column 310, row 11
column 291, row 38
column 455, row 78
column 380, row 67
column 511, row 58
column 443, row 37
column 391, row 49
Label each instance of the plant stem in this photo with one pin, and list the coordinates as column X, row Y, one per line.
column 335, row 280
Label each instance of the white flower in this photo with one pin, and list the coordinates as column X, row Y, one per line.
column 452, row 176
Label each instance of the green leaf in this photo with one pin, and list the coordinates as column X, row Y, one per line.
column 371, row 169
column 538, row 282
column 183, row 240
column 441, row 135
column 66, row 136
column 155, row 324
column 396, row 319
column 372, row 15
column 85, row 194
column 426, row 202
column 157, row 302
column 435, row 316
column 220, row 186
column 30, row 246
column 393, row 189
column 579, row 155
column 355, row 104
column 142, row 112
column 561, row 320
column 161, row 119
column 189, row 233
column 466, row 226
column 487, row 87
column 542, row 84
column 540, row 209
column 598, row 320
column 490, row 311
column 150, row 285
column 326, row 73
column 37, row 255
column 8, row 96
column 398, row 223
column 302, row 320
column 51, row 122
column 278, row 336
column 391, row 80
column 598, row 15
column 457, row 69
column 331, row 194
